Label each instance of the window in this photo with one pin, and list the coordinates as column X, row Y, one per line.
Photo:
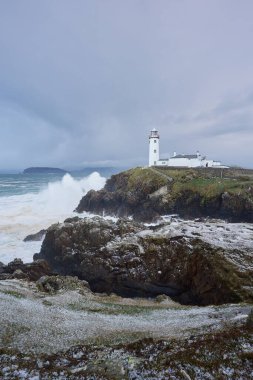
column 154, row 141
column 154, row 150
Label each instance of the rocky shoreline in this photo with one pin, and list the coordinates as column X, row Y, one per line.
column 57, row 326
column 147, row 193
column 198, row 263
column 116, row 298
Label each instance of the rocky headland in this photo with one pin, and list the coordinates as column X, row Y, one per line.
column 147, row 193
column 114, row 298
column 193, row 262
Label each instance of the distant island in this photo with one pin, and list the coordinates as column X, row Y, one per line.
column 44, row 170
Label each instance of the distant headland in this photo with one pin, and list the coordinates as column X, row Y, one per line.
column 44, row 170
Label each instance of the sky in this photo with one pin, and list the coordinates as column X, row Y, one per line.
column 82, row 82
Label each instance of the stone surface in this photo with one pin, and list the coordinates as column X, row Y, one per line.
column 133, row 260
column 146, row 194
column 32, row 271
column 250, row 320
column 52, row 284
column 38, row 236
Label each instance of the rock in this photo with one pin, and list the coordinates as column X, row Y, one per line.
column 146, row 194
column 130, row 259
column 1, row 267
column 127, row 194
column 185, row 374
column 249, row 322
column 163, row 299
column 6, row 276
column 35, row 237
column 109, row 368
column 19, row 274
column 52, row 284
column 32, row 271
column 14, row 265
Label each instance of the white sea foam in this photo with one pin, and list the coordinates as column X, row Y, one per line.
column 21, row 215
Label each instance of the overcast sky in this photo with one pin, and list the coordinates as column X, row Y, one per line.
column 83, row 81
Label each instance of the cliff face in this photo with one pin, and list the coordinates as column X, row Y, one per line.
column 131, row 260
column 126, row 194
column 145, row 194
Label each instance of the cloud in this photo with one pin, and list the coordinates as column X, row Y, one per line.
column 83, row 82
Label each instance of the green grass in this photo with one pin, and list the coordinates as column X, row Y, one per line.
column 137, row 184
column 10, row 331
column 13, row 293
column 144, row 180
column 211, row 187
column 113, row 309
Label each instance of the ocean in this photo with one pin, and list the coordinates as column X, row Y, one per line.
column 31, row 202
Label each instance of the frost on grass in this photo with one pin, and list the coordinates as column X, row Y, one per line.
column 72, row 335
column 39, row 323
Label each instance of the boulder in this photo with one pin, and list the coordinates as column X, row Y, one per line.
column 31, row 271
column 249, row 321
column 38, row 236
column 1, row 267
column 131, row 259
column 52, row 284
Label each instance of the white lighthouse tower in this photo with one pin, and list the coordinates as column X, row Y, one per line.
column 153, row 147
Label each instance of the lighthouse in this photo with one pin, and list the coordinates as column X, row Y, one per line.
column 153, row 147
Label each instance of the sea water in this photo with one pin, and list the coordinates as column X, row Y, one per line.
column 29, row 203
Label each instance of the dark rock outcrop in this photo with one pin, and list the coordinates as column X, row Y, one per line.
column 38, row 236
column 132, row 260
column 146, row 194
column 52, row 284
column 127, row 194
column 1, row 267
column 249, row 322
column 32, row 271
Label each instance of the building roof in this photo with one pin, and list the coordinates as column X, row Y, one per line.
column 189, row 156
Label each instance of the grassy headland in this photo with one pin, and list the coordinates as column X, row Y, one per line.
column 146, row 193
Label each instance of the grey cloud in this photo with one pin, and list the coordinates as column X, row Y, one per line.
column 84, row 81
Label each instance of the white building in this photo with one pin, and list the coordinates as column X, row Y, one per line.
column 178, row 160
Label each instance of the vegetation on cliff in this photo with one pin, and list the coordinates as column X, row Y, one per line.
column 147, row 193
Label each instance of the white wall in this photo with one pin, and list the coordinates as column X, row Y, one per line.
column 185, row 162
column 153, row 151
column 189, row 163
column 162, row 163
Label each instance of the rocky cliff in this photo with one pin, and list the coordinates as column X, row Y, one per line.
column 133, row 260
column 145, row 194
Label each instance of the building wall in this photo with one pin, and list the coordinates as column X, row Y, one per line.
column 185, row 162
column 189, row 163
column 162, row 162
column 153, row 151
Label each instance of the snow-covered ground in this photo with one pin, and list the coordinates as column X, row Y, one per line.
column 34, row 322
column 216, row 232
